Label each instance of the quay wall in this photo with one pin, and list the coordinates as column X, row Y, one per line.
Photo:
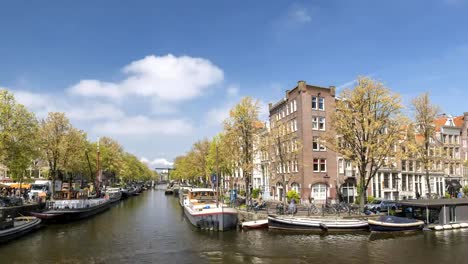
column 15, row 211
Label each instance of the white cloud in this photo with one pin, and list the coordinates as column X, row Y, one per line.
column 300, row 14
column 167, row 78
column 216, row 116
column 42, row 104
column 143, row 126
column 157, row 163
column 232, row 90
column 95, row 111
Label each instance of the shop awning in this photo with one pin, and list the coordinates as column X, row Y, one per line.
column 16, row 185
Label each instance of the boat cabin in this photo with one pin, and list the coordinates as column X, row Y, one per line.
column 202, row 195
column 437, row 211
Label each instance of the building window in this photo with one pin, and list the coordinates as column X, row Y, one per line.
column 295, row 186
column 321, row 103
column 386, row 181
column 320, row 165
column 321, row 124
column 317, row 145
column 294, row 106
column 323, row 165
column 318, row 103
column 316, row 165
column 295, row 124
column 318, row 191
column 403, row 165
column 315, row 123
column 340, row 165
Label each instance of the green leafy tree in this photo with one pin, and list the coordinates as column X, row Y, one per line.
column 242, row 128
column 368, row 124
column 18, row 136
column 425, row 114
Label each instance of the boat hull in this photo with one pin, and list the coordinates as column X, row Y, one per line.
column 395, row 224
column 219, row 220
column 20, row 230
column 259, row 224
column 304, row 224
column 65, row 215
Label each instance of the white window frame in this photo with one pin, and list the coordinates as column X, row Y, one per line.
column 322, row 101
column 321, row 120
column 315, row 123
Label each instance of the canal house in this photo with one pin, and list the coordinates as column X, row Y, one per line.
column 437, row 211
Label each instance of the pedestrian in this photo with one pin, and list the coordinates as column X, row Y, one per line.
column 418, row 195
column 292, row 207
column 460, row 194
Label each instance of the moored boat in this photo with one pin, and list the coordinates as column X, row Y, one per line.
column 257, row 224
column 203, row 211
column 70, row 210
column 114, row 194
column 18, row 227
column 388, row 223
column 315, row 224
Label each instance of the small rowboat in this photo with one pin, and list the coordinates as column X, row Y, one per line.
column 387, row 223
column 315, row 224
column 20, row 226
column 255, row 224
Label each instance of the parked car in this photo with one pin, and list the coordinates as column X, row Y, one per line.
column 382, row 206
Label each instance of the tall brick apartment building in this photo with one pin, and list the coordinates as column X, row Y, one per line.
column 306, row 109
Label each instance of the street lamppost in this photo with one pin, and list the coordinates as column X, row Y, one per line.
column 326, row 178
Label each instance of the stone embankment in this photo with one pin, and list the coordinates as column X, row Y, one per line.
column 15, row 211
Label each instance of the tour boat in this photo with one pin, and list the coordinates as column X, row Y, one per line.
column 257, row 224
column 114, row 194
column 69, row 210
column 17, row 227
column 388, row 223
column 315, row 224
column 205, row 212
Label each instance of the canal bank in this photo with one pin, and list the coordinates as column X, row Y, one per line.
column 152, row 228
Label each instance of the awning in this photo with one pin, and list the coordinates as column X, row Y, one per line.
column 16, row 185
column 455, row 184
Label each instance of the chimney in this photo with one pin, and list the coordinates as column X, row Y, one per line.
column 302, row 86
column 270, row 105
column 287, row 92
column 332, row 91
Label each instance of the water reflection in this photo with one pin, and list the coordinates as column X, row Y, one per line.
column 151, row 228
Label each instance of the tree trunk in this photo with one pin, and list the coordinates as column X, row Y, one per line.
column 428, row 183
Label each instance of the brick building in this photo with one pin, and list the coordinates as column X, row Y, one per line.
column 305, row 111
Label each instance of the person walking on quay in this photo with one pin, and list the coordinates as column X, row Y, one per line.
column 460, row 194
column 292, row 207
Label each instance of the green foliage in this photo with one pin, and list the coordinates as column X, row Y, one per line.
column 465, row 190
column 18, row 136
column 447, row 195
column 370, row 199
column 255, row 193
column 292, row 194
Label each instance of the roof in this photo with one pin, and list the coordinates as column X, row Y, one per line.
column 434, row 202
column 441, row 121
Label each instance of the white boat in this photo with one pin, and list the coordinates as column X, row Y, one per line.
column 203, row 211
column 114, row 194
column 256, row 224
column 318, row 224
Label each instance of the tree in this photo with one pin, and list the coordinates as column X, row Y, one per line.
column 221, row 156
column 281, row 147
column 200, row 150
column 60, row 143
column 424, row 116
column 18, row 136
column 242, row 126
column 368, row 124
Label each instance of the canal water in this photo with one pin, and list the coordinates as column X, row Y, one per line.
column 152, row 228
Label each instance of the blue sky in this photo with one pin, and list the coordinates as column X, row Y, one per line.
column 158, row 75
